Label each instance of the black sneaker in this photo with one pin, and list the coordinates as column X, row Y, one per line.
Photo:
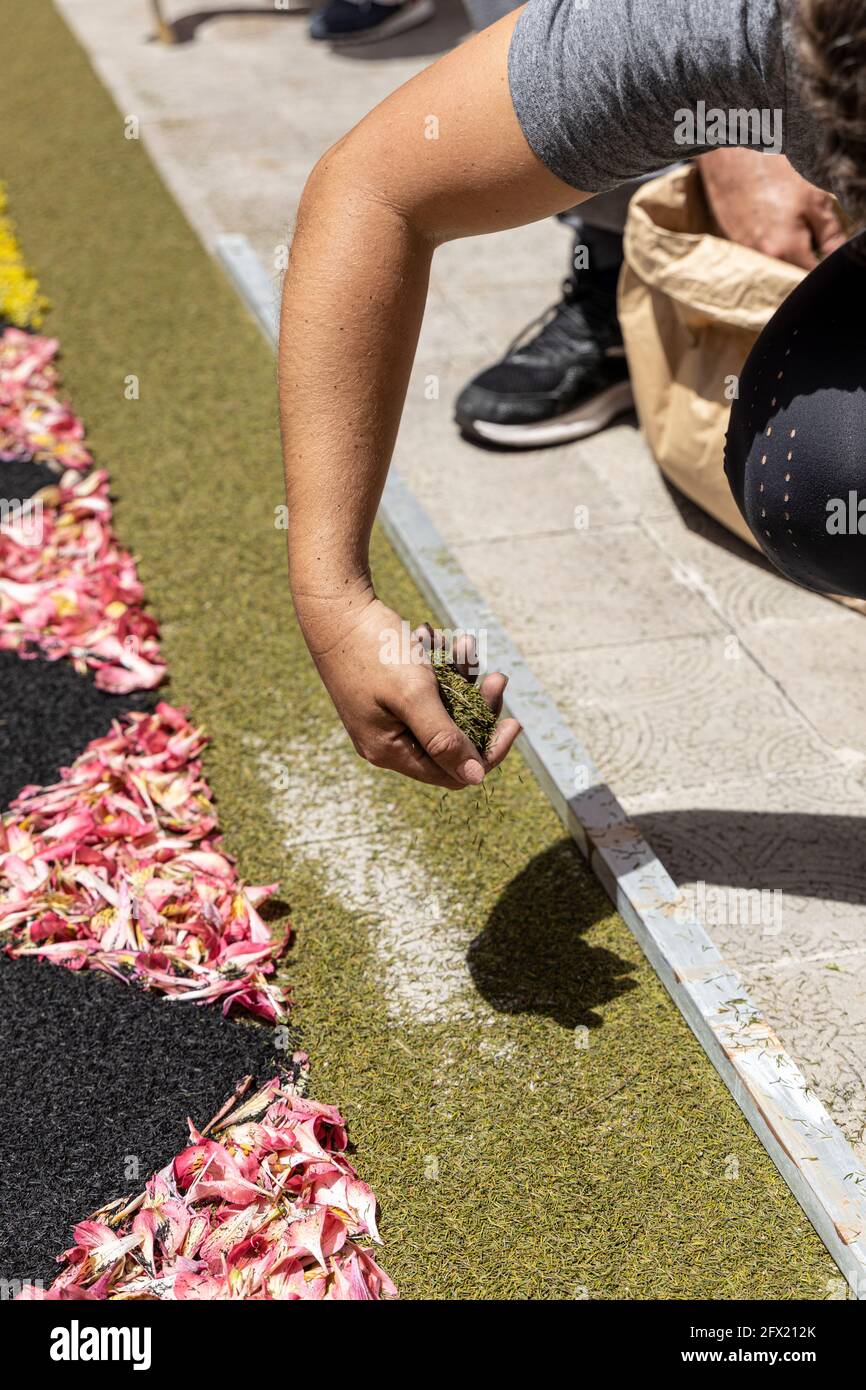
column 568, row 381
column 365, row 21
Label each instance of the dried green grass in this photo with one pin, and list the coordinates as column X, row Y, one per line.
column 464, row 702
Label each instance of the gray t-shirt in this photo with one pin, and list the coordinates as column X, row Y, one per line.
column 609, row 90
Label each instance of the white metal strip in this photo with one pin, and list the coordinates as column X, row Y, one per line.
column 810, row 1151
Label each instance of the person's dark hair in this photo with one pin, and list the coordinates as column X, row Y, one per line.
column 832, row 52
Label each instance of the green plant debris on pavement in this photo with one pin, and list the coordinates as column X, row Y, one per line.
column 531, row 1109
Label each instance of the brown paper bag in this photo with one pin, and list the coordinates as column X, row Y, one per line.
column 691, row 304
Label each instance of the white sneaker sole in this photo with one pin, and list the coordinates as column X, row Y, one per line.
column 407, row 17
column 575, row 424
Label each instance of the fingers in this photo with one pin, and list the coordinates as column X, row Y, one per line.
column 387, row 743
column 798, row 248
column 493, row 688
column 500, row 745
column 426, row 636
column 432, row 748
column 826, row 228
column 463, row 652
column 404, row 755
column 440, row 738
column 465, row 655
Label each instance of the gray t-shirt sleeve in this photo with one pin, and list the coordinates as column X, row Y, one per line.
column 600, row 86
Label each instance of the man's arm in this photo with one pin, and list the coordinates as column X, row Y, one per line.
column 373, row 211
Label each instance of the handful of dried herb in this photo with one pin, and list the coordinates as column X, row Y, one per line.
column 464, row 702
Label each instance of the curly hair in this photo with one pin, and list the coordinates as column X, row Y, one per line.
column 832, row 53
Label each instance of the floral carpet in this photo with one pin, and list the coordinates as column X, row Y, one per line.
column 117, row 866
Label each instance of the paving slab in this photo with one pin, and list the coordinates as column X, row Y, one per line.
column 774, row 873
column 522, row 495
column 663, row 716
column 721, row 703
column 805, row 658
column 735, row 579
column 620, row 456
column 565, row 592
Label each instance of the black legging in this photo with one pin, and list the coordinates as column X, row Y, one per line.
column 795, row 453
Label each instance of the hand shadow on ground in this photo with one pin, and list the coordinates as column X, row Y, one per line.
column 531, row 956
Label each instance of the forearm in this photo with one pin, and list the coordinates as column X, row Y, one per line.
column 372, row 212
column 352, row 309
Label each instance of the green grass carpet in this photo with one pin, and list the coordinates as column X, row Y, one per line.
column 533, row 1113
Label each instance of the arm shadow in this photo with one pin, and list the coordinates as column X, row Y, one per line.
column 532, row 956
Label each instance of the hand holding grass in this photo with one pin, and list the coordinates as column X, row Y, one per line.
column 392, row 710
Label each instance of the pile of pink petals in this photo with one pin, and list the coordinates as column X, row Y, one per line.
column 34, row 422
column 272, row 1210
column 67, row 589
column 71, row 591
column 118, row 867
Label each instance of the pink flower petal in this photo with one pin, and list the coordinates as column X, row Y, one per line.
column 204, row 1230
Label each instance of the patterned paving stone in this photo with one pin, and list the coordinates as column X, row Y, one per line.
column 822, row 1004
column 565, row 593
column 740, row 583
column 671, row 715
column 820, row 663
column 776, row 873
column 524, row 494
column 620, row 456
